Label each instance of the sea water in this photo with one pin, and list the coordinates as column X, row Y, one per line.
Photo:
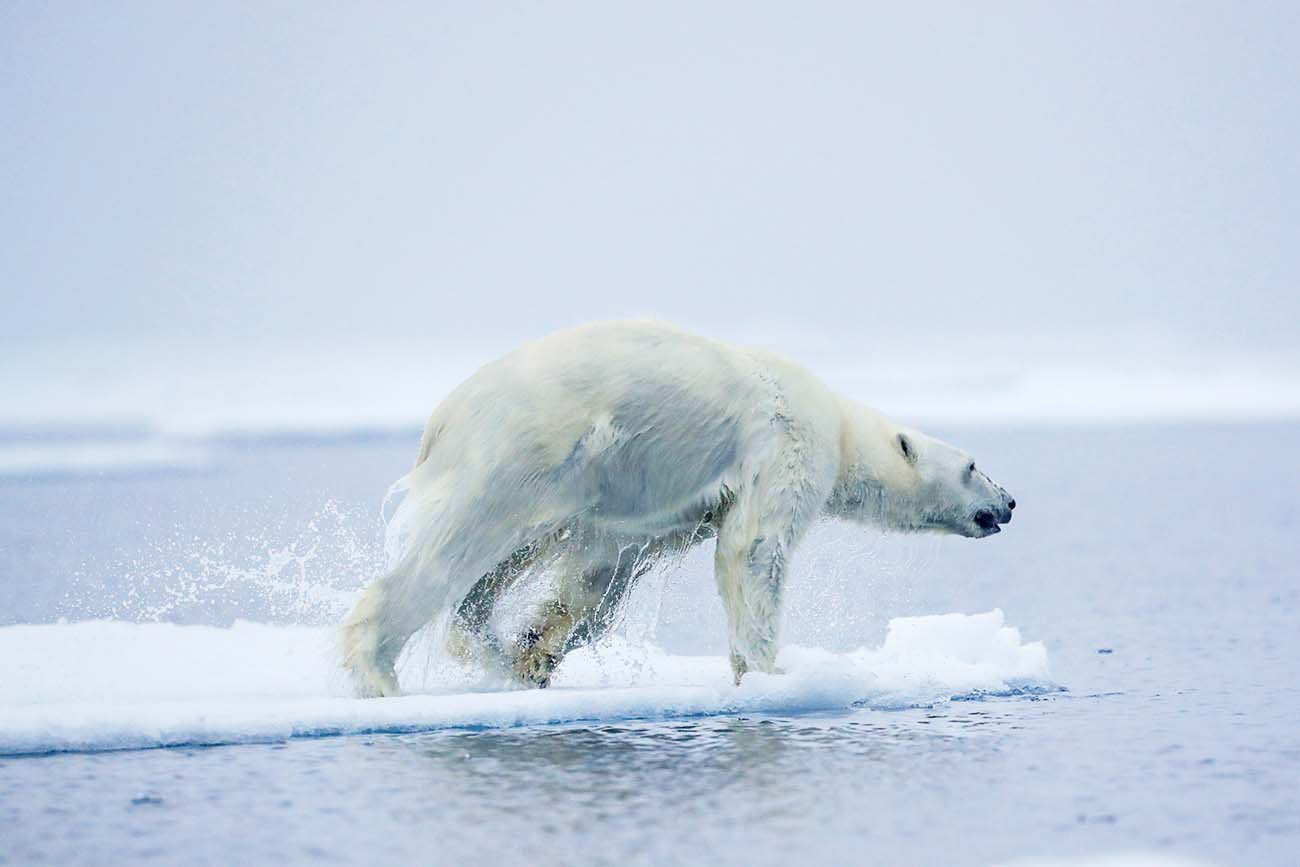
column 1113, row 677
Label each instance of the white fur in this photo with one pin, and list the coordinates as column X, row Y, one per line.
column 600, row 448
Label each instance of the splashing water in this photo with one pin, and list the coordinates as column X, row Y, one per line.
column 306, row 574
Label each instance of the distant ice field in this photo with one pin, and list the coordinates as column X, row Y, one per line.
column 165, row 406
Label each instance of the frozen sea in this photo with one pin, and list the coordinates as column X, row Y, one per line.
column 1114, row 676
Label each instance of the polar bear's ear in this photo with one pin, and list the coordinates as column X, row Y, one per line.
column 905, row 446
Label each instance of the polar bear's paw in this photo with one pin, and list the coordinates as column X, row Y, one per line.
column 534, row 667
column 741, row 666
column 373, row 682
column 373, row 672
column 541, row 647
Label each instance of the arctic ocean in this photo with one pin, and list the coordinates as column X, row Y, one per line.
column 1114, row 676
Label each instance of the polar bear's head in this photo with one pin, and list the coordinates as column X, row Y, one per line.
column 900, row 479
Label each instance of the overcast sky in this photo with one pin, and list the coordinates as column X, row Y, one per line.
column 883, row 171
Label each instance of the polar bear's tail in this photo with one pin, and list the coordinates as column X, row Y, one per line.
column 430, row 436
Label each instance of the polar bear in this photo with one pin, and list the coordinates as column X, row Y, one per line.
column 597, row 450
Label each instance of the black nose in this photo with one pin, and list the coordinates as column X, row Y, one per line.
column 1011, row 504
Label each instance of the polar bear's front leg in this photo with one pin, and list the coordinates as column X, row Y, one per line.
column 750, row 570
column 766, row 518
column 754, row 546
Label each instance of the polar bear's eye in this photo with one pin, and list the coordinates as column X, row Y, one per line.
column 970, row 468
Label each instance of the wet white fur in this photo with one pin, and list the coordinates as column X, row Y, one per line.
column 626, row 436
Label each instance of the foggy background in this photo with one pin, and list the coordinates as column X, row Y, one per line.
column 245, row 216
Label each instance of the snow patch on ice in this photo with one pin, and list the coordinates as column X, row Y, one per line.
column 104, row 685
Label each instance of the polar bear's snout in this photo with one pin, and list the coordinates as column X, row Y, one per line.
column 990, row 521
column 989, row 518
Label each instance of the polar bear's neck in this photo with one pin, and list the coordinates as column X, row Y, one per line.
column 874, row 485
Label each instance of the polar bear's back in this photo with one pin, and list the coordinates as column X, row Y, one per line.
column 621, row 418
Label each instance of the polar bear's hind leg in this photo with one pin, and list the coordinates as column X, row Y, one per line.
column 582, row 612
column 542, row 646
column 431, row 580
column 471, row 637
column 372, row 639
